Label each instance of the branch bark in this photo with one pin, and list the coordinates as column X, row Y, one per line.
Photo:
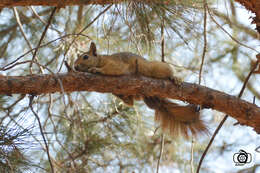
column 246, row 113
column 12, row 3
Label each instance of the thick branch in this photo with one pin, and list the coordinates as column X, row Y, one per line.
column 11, row 3
column 245, row 112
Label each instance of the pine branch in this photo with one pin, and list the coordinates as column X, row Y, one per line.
column 12, row 3
column 251, row 5
column 246, row 113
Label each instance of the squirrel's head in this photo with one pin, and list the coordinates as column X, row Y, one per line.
column 87, row 60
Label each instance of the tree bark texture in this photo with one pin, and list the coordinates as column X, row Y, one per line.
column 246, row 113
column 63, row 3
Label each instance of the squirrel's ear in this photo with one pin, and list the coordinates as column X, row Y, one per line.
column 93, row 49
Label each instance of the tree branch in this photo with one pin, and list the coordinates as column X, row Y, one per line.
column 12, row 3
column 246, row 113
column 251, row 5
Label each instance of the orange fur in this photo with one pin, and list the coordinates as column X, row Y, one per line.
column 173, row 118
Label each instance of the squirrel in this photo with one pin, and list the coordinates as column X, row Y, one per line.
column 173, row 118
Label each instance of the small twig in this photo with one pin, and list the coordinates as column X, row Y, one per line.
column 29, row 51
column 247, row 79
column 210, row 142
column 257, row 149
column 16, row 15
column 226, row 116
column 192, row 154
column 55, row 129
column 234, row 39
column 42, row 36
column 37, row 15
column 13, row 65
column 132, row 33
column 9, row 164
column 23, row 33
column 201, row 67
column 13, row 104
column 42, row 133
column 68, row 66
column 205, row 40
column 161, row 152
column 102, row 12
column 162, row 136
column 162, row 40
column 28, row 61
column 43, row 21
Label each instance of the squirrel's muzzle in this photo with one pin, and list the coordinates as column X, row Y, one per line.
column 81, row 68
column 77, row 68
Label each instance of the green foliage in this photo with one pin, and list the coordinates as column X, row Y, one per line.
column 12, row 142
column 96, row 135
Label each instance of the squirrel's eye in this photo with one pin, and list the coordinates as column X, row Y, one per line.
column 85, row 57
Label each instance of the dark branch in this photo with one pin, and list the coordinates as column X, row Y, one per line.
column 11, row 3
column 246, row 113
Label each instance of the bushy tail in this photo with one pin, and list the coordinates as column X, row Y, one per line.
column 176, row 119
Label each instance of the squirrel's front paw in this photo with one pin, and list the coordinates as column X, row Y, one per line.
column 176, row 81
column 93, row 70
